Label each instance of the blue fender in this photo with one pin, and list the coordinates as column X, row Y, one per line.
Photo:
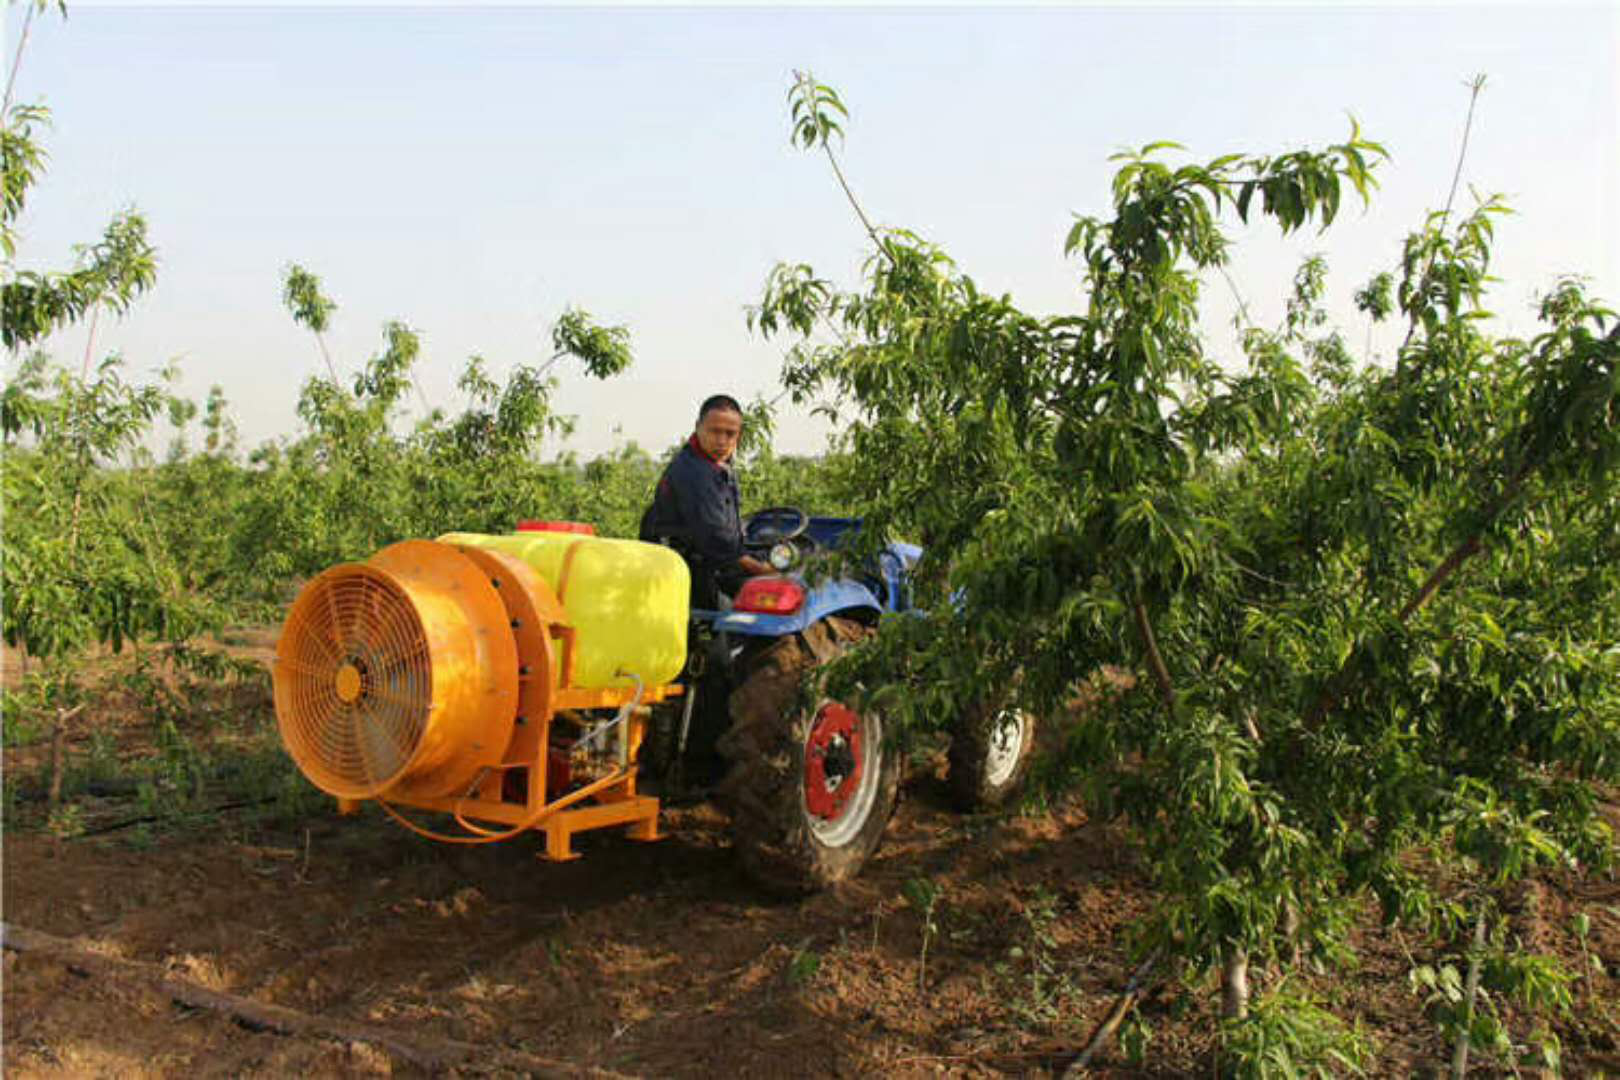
column 828, row 598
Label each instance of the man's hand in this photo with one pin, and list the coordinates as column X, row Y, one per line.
column 755, row 567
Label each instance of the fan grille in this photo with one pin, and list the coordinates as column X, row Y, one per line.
column 355, row 683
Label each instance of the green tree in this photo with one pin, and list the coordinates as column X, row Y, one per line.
column 81, row 566
column 1321, row 572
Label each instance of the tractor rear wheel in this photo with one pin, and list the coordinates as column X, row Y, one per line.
column 989, row 756
column 810, row 789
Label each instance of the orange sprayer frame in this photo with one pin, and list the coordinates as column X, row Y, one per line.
column 545, row 648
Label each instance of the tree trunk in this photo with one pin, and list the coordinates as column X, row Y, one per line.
column 1459, row 1051
column 1290, row 931
column 1235, row 985
column 58, row 735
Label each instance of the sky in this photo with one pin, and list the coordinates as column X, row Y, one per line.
column 473, row 171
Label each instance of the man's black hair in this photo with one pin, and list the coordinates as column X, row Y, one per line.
column 718, row 401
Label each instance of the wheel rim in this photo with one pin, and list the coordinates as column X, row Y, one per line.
column 841, row 772
column 1005, row 747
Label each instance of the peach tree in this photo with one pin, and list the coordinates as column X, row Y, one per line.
column 1370, row 608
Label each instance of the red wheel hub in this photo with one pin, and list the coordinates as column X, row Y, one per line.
column 832, row 761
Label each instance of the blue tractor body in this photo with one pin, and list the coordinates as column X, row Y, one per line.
column 865, row 596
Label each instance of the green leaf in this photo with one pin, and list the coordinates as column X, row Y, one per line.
column 1245, row 193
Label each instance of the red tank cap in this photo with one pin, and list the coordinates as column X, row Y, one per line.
column 584, row 529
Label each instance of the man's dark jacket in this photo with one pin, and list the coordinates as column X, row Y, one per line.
column 695, row 510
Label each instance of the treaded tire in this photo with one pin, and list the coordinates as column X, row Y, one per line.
column 983, row 774
column 764, row 790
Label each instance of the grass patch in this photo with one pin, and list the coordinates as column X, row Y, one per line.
column 166, row 741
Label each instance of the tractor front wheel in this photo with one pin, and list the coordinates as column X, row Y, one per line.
column 810, row 789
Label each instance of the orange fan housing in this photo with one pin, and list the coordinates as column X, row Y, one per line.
column 398, row 675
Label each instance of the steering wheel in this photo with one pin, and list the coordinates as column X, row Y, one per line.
column 774, row 525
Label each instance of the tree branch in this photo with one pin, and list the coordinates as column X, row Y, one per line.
column 435, row 1056
column 1462, row 154
column 1336, row 685
column 850, row 195
column 1123, row 1005
column 16, row 60
column 1150, row 645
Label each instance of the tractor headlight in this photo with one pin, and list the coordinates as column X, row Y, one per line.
column 781, row 556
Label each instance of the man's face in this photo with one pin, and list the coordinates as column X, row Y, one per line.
column 718, row 433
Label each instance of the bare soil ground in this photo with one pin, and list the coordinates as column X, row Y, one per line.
column 654, row 960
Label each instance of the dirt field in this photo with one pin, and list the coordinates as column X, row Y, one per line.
column 643, row 960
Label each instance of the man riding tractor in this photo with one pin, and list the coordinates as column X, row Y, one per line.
column 696, row 510
column 808, row 782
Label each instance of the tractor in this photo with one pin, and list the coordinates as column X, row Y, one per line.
column 550, row 680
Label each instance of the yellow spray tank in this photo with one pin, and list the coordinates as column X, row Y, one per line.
column 626, row 600
column 502, row 679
